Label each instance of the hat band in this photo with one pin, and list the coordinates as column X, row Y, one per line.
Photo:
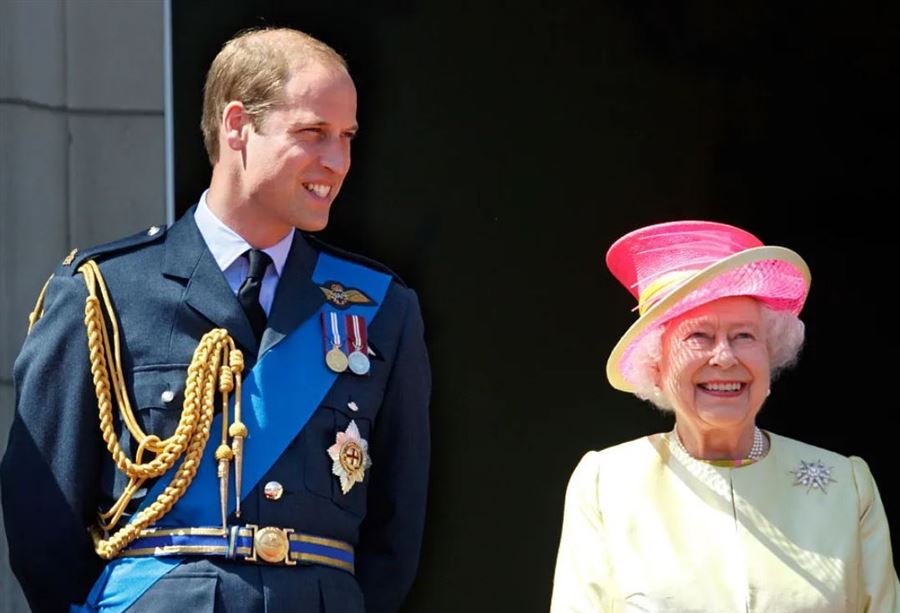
column 661, row 286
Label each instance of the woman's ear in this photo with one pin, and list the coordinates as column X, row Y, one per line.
column 656, row 374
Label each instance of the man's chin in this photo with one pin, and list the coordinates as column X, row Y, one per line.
column 312, row 225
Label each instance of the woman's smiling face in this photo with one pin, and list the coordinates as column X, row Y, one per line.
column 715, row 364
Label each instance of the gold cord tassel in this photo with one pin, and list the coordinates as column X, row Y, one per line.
column 238, row 430
column 223, row 451
column 223, row 455
column 207, row 368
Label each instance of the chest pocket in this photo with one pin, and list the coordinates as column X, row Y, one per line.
column 158, row 397
column 334, row 415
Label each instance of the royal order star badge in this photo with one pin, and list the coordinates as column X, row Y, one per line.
column 813, row 475
column 350, row 453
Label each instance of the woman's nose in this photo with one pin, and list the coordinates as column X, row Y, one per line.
column 722, row 355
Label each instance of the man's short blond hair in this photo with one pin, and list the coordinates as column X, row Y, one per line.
column 253, row 68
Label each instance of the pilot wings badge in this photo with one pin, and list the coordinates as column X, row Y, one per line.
column 344, row 297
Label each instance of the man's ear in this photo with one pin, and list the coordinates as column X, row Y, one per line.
column 235, row 125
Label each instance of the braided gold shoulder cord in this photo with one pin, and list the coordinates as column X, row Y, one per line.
column 216, row 366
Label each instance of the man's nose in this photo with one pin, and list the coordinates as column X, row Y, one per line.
column 336, row 156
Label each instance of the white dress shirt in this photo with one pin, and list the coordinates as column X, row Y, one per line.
column 227, row 247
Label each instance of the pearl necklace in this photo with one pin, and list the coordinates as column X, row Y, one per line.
column 756, row 450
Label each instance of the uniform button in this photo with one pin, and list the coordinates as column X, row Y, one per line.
column 153, row 231
column 273, row 490
column 352, row 406
column 167, row 396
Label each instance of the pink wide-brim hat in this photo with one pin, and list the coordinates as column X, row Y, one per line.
column 672, row 268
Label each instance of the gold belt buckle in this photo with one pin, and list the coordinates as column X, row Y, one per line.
column 271, row 544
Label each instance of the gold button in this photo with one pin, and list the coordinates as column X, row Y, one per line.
column 273, row 490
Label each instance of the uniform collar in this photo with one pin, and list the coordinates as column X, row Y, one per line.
column 226, row 245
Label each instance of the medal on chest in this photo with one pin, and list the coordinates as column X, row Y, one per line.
column 333, row 333
column 350, row 456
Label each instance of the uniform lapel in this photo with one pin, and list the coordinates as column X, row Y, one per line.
column 187, row 257
column 297, row 297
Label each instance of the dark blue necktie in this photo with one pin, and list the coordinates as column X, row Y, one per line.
column 248, row 294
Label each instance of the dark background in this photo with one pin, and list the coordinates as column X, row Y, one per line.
column 505, row 146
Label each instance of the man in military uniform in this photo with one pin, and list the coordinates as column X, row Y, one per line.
column 306, row 491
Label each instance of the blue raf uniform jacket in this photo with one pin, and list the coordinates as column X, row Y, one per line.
column 167, row 292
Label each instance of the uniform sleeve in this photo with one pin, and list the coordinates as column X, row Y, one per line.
column 49, row 473
column 391, row 535
column 879, row 588
column 579, row 584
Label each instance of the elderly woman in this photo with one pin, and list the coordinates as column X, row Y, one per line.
column 717, row 515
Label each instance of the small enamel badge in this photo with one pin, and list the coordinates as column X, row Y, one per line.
column 350, row 453
column 344, row 297
column 813, row 475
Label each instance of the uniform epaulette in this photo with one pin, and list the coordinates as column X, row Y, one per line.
column 77, row 256
column 353, row 257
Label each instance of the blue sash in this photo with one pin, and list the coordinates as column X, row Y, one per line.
column 278, row 399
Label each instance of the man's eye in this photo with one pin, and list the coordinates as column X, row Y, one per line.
column 310, row 133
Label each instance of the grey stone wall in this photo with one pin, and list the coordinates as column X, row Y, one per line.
column 81, row 153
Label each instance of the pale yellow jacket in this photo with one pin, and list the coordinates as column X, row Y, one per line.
column 648, row 528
